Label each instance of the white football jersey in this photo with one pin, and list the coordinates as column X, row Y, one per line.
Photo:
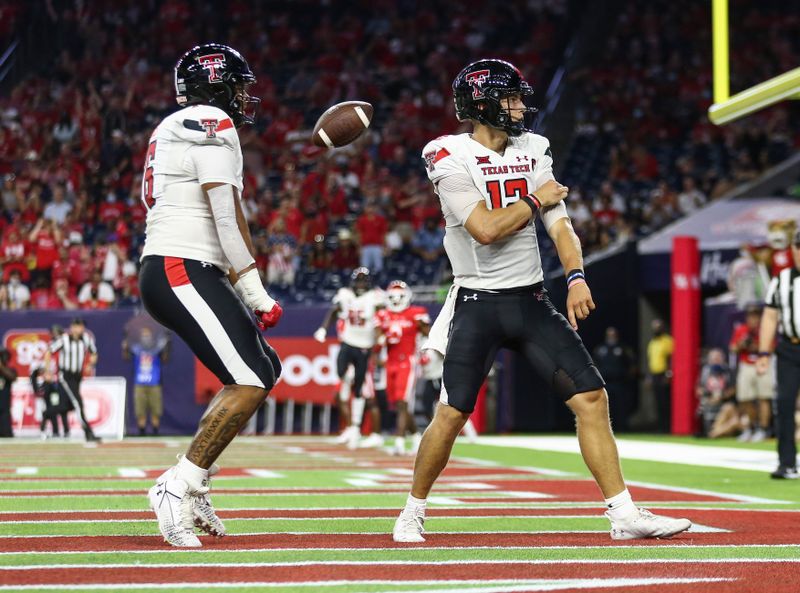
column 195, row 145
column 497, row 180
column 358, row 316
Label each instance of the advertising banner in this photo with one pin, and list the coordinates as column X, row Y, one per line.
column 104, row 404
column 308, row 375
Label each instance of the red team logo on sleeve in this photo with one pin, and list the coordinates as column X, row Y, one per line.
column 476, row 79
column 212, row 62
column 210, row 126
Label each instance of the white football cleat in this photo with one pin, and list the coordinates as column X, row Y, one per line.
column 399, row 447
column 373, row 440
column 410, row 526
column 344, row 436
column 172, row 504
column 203, row 512
column 644, row 524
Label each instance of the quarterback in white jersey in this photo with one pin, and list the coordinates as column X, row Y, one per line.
column 355, row 307
column 492, row 184
column 198, row 275
column 525, row 165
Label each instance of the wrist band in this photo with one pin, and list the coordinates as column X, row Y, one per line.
column 763, row 353
column 574, row 277
column 533, row 202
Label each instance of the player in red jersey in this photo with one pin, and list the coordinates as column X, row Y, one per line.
column 400, row 323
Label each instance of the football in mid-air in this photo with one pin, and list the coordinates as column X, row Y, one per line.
column 342, row 124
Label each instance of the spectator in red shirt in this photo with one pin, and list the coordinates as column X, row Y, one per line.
column 111, row 210
column 754, row 392
column 12, row 255
column 45, row 237
column 96, row 294
column 43, row 296
column 372, row 228
column 345, row 256
column 318, row 257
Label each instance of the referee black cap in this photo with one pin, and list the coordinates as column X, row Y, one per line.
column 78, row 321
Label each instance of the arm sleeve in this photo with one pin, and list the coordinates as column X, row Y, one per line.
column 772, row 299
column 90, row 345
column 551, row 214
column 223, row 208
column 213, row 163
column 543, row 172
column 458, row 192
column 56, row 345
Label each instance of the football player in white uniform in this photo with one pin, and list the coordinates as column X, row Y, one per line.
column 356, row 307
column 492, row 184
column 198, row 275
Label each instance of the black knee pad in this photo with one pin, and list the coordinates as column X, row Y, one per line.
column 589, row 379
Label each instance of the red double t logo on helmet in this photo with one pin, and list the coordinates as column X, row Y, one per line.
column 212, row 63
column 475, row 80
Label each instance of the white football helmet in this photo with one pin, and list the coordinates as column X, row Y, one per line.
column 398, row 296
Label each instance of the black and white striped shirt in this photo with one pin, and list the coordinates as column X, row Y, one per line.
column 783, row 294
column 73, row 352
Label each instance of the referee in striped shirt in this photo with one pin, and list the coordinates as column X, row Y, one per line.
column 782, row 316
column 73, row 348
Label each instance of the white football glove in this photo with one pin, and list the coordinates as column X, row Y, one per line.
column 320, row 335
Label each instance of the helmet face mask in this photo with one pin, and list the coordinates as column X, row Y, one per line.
column 398, row 296
column 482, row 92
column 218, row 75
column 360, row 281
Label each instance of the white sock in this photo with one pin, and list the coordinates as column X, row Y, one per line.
column 195, row 476
column 416, row 503
column 357, row 410
column 620, row 505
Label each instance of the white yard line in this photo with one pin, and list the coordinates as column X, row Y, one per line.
column 376, row 563
column 27, row 471
column 261, row 473
column 128, row 472
column 464, row 586
column 684, row 453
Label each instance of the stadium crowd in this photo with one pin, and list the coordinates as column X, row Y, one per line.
column 73, row 133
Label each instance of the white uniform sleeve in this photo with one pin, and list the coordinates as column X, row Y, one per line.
column 213, row 163
column 543, row 172
column 459, row 194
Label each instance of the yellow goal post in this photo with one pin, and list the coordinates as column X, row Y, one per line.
column 725, row 108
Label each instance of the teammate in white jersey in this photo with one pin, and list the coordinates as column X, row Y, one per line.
column 356, row 307
column 198, row 256
column 492, row 184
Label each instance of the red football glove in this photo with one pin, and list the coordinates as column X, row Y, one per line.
column 270, row 319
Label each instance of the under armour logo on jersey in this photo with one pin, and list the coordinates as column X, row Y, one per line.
column 475, row 80
column 212, row 63
column 522, row 158
column 205, row 264
column 471, row 297
column 483, row 160
column 210, row 126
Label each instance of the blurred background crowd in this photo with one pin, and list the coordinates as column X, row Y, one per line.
column 74, row 129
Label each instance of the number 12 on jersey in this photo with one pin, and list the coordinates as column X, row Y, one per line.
column 511, row 191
